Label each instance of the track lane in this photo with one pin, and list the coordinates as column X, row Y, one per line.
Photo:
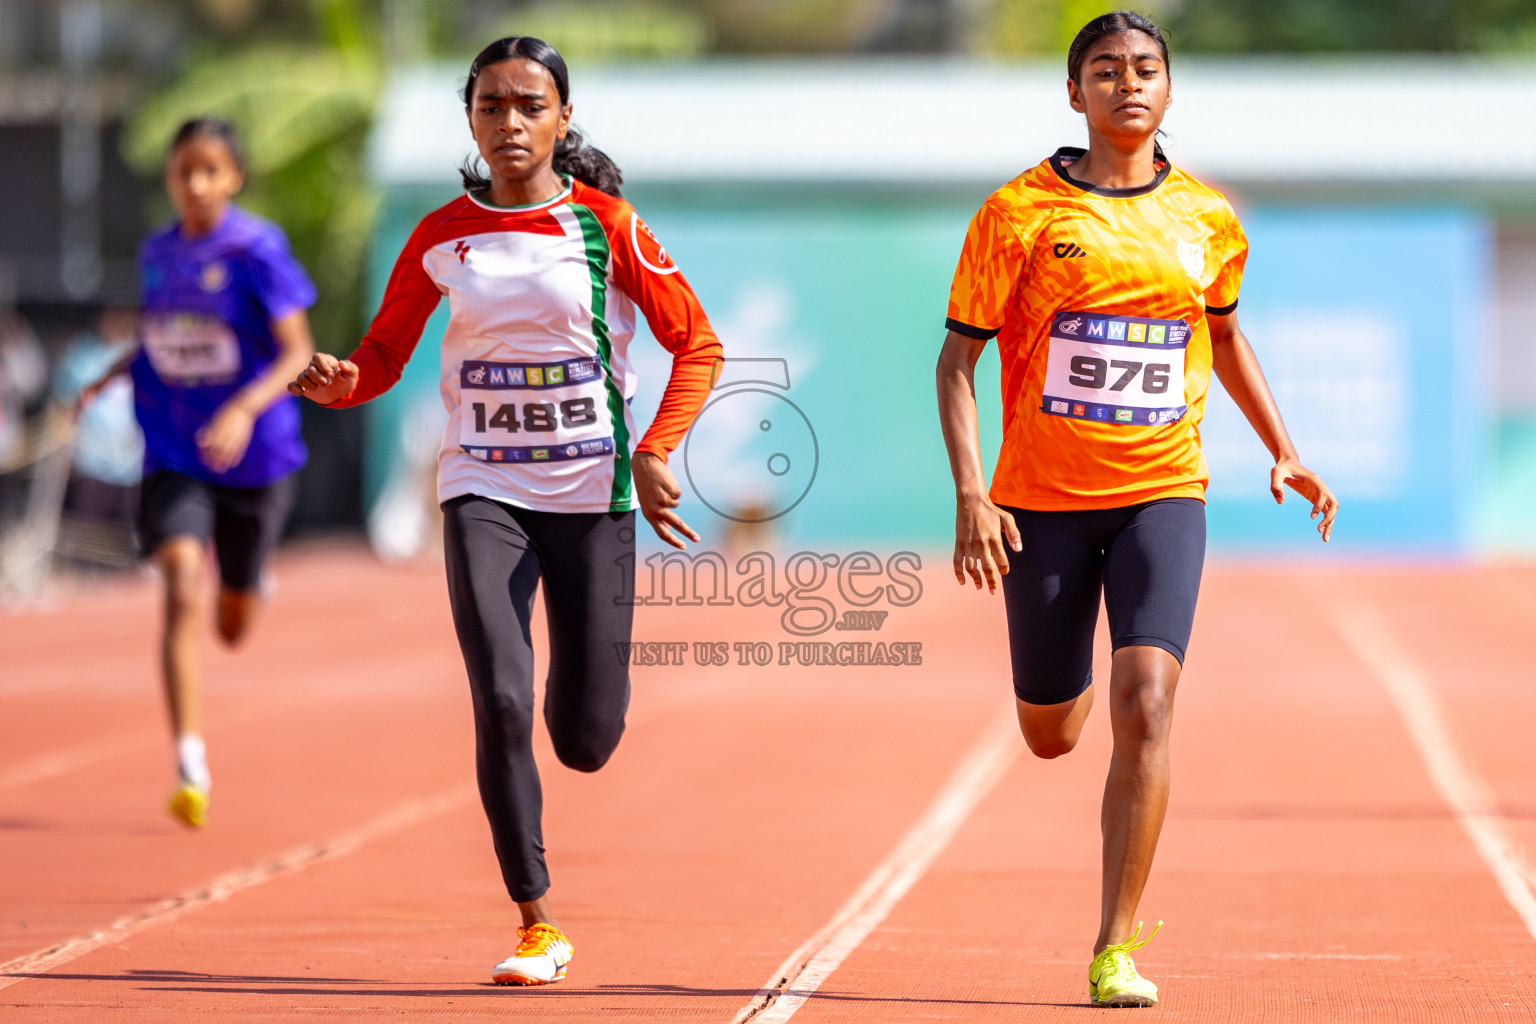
column 718, row 837
column 1308, row 865
column 1308, row 869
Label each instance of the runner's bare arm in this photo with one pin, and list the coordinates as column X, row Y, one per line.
column 223, row 440
column 90, row 391
column 1238, row 368
column 979, row 525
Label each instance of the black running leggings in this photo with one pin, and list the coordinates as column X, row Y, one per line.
column 496, row 556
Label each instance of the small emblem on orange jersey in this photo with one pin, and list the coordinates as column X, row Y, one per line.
column 1068, row 250
column 1192, row 255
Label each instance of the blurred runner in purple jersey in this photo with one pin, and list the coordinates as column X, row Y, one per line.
column 223, row 330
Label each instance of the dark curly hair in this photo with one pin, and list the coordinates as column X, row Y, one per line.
column 572, row 154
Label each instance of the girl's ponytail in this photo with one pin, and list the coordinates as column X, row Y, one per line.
column 584, row 163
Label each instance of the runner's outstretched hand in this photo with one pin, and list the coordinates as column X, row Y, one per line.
column 980, row 527
column 1291, row 473
column 659, row 494
column 326, row 379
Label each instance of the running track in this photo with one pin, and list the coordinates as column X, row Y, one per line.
column 1355, row 781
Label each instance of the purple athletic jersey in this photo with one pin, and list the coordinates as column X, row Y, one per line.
column 209, row 304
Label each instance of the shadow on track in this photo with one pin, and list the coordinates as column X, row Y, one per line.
column 269, row 985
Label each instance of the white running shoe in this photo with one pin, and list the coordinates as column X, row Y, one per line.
column 541, row 958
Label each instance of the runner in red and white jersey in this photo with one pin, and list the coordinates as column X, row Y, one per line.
column 536, row 371
column 545, row 269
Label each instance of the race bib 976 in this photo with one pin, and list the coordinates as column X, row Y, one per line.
column 1127, row 370
column 534, row 412
column 189, row 348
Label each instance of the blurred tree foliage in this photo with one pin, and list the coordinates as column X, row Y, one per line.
column 1342, row 26
column 593, row 30
column 303, row 108
column 1017, row 27
column 301, row 77
column 791, row 26
column 1020, row 27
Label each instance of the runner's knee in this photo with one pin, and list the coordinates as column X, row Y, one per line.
column 236, row 609
column 1143, row 711
column 583, row 757
column 586, row 750
column 1052, row 730
column 182, row 569
column 1048, row 734
column 1049, row 745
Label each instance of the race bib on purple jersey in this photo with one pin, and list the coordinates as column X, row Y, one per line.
column 189, row 349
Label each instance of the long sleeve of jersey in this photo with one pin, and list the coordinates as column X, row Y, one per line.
column 409, row 299
column 650, row 277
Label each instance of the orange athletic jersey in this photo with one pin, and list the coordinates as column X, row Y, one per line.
column 1098, row 299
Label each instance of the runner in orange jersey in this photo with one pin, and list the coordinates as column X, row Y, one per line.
column 1110, row 279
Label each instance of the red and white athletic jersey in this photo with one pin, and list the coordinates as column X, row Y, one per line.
column 536, row 372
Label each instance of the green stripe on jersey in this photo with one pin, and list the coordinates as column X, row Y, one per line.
column 597, row 264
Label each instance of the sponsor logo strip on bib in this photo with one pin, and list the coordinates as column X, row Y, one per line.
column 558, row 453
column 1124, row 370
column 486, row 376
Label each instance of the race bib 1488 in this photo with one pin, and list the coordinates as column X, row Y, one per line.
column 534, row 412
column 1127, row 370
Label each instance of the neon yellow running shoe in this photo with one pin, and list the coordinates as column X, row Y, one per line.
column 1112, row 977
column 189, row 804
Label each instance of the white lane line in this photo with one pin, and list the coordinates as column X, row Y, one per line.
column 335, row 686
column 1454, row 776
column 798, row 978
column 226, row 885
column 62, row 763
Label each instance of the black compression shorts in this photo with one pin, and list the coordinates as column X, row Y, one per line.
column 244, row 523
column 1147, row 558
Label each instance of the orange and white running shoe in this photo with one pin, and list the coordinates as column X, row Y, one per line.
column 541, row 958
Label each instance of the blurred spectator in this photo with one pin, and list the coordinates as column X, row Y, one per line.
column 23, row 381
column 101, row 501
column 23, row 377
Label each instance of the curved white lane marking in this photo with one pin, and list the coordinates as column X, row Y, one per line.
column 798, row 978
column 49, row 766
column 226, row 885
column 1456, row 778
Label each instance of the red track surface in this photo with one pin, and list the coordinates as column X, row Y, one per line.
column 1309, row 870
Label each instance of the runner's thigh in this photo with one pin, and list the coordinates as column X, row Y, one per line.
column 1052, row 596
column 249, row 524
column 174, row 505
column 589, row 563
column 1152, row 575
